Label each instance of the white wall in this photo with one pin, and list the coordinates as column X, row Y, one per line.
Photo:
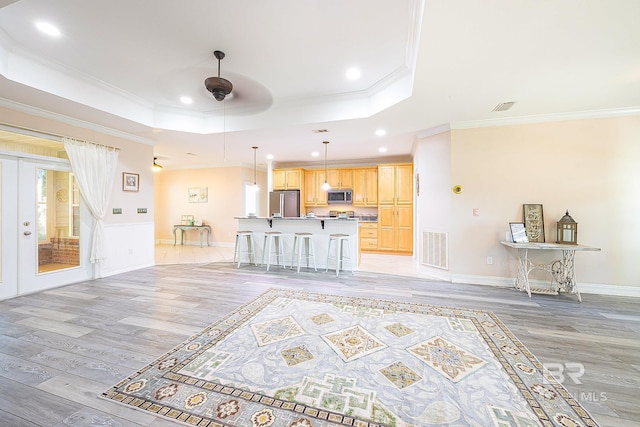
column 589, row 167
column 129, row 230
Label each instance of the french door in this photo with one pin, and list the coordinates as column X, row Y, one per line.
column 44, row 226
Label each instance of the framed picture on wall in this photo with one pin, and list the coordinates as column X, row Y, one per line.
column 198, row 195
column 130, row 181
column 518, row 232
column 533, row 222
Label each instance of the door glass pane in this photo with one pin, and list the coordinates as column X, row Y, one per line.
column 58, row 220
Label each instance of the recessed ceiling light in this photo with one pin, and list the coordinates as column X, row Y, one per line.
column 270, row 156
column 315, row 154
column 353, row 74
column 186, row 100
column 48, row 29
column 381, row 132
column 382, row 149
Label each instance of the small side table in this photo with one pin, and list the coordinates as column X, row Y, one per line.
column 562, row 270
column 200, row 228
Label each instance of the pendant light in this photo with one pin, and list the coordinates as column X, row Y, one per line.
column 156, row 166
column 326, row 185
column 255, row 169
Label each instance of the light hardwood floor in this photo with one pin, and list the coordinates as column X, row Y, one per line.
column 60, row 349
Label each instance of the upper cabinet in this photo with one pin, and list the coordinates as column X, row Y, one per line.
column 340, row 178
column 395, row 184
column 365, row 187
column 287, row 179
column 314, row 195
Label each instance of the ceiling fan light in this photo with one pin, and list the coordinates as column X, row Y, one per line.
column 219, row 87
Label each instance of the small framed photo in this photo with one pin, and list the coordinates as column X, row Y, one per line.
column 533, row 222
column 130, row 181
column 518, row 232
column 186, row 220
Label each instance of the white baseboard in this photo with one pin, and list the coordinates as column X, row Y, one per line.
column 435, row 273
column 196, row 243
column 584, row 288
column 600, row 289
column 126, row 270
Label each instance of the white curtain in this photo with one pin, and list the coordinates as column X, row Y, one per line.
column 94, row 167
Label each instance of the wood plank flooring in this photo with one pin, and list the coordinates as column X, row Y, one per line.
column 60, row 349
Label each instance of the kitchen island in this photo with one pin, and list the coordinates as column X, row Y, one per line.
column 320, row 227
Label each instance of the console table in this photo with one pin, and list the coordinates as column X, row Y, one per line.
column 562, row 270
column 200, row 228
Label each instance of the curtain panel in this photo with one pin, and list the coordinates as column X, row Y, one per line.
column 94, row 167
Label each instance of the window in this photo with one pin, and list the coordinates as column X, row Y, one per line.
column 251, row 199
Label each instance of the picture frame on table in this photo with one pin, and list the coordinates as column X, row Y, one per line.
column 186, row 220
column 130, row 181
column 518, row 232
column 533, row 219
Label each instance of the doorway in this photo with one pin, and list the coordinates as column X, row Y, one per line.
column 44, row 226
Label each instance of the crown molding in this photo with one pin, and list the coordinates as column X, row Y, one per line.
column 542, row 118
column 45, row 114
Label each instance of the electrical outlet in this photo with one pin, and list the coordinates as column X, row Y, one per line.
column 489, row 260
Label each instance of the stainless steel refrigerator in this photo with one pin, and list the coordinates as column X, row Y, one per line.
column 285, row 202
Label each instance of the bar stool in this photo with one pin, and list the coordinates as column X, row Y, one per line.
column 273, row 243
column 338, row 240
column 248, row 251
column 298, row 240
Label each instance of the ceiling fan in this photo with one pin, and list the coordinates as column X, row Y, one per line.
column 218, row 86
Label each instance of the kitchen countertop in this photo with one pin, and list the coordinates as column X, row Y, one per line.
column 323, row 218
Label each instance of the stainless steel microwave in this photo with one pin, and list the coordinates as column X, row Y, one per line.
column 339, row 196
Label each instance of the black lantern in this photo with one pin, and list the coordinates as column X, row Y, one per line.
column 567, row 230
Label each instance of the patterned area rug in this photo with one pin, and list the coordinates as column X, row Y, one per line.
column 300, row 359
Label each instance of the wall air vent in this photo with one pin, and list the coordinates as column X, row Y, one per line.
column 435, row 249
column 504, row 106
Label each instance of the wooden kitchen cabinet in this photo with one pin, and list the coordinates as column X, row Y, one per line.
column 395, row 184
column 340, row 178
column 314, row 194
column 365, row 187
column 395, row 208
column 368, row 236
column 287, row 179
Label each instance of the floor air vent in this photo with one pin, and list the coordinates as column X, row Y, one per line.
column 435, row 249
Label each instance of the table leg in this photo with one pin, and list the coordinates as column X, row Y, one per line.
column 174, row 236
column 522, row 279
column 208, row 236
column 201, row 231
column 564, row 273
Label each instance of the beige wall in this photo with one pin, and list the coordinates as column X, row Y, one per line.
column 225, row 200
column 590, row 167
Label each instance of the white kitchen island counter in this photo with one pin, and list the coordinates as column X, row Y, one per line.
column 320, row 227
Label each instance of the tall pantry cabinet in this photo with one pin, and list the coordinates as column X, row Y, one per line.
column 395, row 207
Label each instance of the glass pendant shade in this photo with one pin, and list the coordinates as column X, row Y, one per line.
column 326, row 185
column 255, row 168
